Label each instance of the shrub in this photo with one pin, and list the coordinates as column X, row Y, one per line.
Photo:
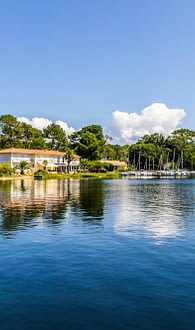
column 96, row 166
column 5, row 169
column 40, row 172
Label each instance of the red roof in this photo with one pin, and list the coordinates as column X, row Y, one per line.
column 32, row 152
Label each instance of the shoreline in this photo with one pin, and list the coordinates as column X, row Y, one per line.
column 57, row 176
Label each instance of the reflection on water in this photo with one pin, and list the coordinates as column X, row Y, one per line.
column 155, row 208
column 25, row 200
column 92, row 198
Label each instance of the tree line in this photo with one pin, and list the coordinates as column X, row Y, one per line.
column 89, row 142
column 156, row 152
column 150, row 152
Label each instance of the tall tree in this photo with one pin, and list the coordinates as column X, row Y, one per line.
column 56, row 137
column 32, row 138
column 10, row 132
column 89, row 142
column 183, row 143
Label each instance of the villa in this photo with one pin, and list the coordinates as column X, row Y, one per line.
column 53, row 160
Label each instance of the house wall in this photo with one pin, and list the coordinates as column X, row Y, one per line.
column 50, row 159
column 17, row 158
column 34, row 159
column 5, row 158
column 54, row 162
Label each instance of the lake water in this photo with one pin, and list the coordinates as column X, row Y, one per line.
column 97, row 254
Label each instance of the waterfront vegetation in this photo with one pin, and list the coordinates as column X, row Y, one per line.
column 22, row 170
column 155, row 152
column 84, row 175
column 5, row 170
column 151, row 152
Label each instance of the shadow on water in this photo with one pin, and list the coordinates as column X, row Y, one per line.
column 92, row 199
column 24, row 203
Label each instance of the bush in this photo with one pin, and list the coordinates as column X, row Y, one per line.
column 40, row 172
column 96, row 166
column 5, row 169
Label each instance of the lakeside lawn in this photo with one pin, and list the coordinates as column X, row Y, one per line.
column 61, row 176
column 107, row 175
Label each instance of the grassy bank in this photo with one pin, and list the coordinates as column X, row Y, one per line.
column 61, row 176
column 108, row 175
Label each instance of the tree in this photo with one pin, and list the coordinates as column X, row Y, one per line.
column 70, row 157
column 141, row 154
column 24, row 165
column 155, row 138
column 32, row 138
column 89, row 142
column 109, row 152
column 183, row 140
column 45, row 163
column 88, row 146
column 5, row 169
column 10, row 132
column 56, row 137
column 183, row 135
column 189, row 157
column 14, row 133
column 160, row 148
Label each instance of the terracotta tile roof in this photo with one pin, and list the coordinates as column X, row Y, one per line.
column 32, row 152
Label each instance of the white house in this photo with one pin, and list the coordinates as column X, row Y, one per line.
column 54, row 160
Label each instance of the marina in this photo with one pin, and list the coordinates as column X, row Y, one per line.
column 158, row 174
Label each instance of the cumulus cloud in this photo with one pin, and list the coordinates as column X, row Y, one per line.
column 41, row 123
column 157, row 118
column 68, row 130
column 36, row 122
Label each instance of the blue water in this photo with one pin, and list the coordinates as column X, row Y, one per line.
column 97, row 254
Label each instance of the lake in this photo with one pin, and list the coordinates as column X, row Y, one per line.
column 97, row 254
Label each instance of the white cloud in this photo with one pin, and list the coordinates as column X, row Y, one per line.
column 41, row 123
column 36, row 122
column 157, row 118
column 68, row 130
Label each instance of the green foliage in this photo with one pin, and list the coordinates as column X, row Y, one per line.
column 89, row 142
column 96, row 130
column 15, row 134
column 32, row 138
column 109, row 152
column 23, row 166
column 40, row 171
column 157, row 152
column 22, row 135
column 151, row 151
column 96, row 166
column 81, row 175
column 5, row 169
column 69, row 156
column 57, row 139
column 155, row 138
column 115, row 152
column 10, row 132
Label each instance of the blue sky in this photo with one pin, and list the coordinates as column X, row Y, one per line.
column 81, row 60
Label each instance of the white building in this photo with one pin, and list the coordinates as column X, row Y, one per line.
column 53, row 160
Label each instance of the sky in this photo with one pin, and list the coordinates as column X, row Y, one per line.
column 128, row 65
